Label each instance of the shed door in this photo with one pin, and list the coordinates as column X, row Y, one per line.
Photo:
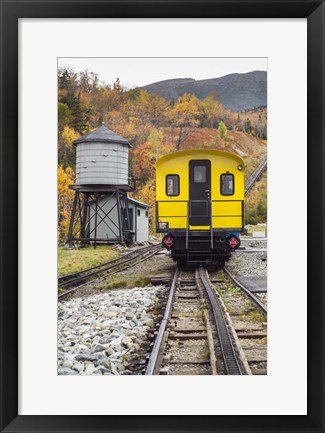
column 125, row 221
column 200, row 187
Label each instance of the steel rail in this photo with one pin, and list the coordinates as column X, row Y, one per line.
column 110, row 262
column 256, row 175
column 152, row 364
column 67, row 292
column 103, row 268
column 256, row 301
column 232, row 366
column 228, row 352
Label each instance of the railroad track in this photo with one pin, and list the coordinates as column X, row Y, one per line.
column 256, row 175
column 126, row 261
column 195, row 335
column 249, row 318
column 253, row 297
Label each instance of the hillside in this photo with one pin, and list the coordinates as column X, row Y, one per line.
column 157, row 126
column 248, row 147
column 163, row 141
column 236, row 92
column 252, row 150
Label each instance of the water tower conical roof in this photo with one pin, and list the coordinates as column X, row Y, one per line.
column 103, row 135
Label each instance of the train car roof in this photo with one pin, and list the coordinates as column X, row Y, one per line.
column 173, row 155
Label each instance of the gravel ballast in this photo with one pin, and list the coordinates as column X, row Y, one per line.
column 248, row 264
column 104, row 334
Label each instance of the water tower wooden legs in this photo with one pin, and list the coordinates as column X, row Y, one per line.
column 73, row 214
column 119, row 215
column 98, row 217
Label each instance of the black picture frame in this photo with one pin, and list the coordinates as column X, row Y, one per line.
column 11, row 11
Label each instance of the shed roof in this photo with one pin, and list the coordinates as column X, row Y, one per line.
column 138, row 203
column 103, row 135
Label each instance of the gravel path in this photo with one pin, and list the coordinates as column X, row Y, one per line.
column 253, row 243
column 106, row 333
column 248, row 264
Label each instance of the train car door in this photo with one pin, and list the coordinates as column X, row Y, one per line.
column 199, row 192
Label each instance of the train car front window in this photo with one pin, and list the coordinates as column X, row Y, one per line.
column 227, row 185
column 172, row 184
column 199, row 174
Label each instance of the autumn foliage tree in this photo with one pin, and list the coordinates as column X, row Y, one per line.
column 66, row 150
column 146, row 155
column 154, row 125
column 65, row 200
column 212, row 109
column 185, row 115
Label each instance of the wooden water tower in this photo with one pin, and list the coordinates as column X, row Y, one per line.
column 100, row 209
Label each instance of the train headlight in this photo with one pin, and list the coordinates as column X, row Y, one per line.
column 162, row 225
column 240, row 167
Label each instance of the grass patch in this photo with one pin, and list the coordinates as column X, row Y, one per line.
column 255, row 316
column 141, row 281
column 119, row 283
column 233, row 290
column 70, row 261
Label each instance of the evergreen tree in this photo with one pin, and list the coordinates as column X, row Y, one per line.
column 248, row 126
column 81, row 115
column 222, row 128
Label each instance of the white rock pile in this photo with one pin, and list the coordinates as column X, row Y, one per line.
column 104, row 333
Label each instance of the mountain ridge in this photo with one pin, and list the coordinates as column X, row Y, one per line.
column 236, row 91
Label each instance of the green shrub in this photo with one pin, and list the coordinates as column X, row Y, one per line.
column 256, row 215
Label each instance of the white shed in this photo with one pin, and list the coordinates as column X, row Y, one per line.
column 139, row 215
column 107, row 218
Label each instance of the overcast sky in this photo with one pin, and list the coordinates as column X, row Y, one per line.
column 137, row 71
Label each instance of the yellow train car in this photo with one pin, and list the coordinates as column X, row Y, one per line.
column 200, row 204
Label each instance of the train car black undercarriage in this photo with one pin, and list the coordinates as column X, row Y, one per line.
column 201, row 246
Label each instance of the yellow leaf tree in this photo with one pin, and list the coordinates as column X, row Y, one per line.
column 184, row 115
column 66, row 149
column 212, row 109
column 65, row 200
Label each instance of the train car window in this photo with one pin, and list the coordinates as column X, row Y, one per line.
column 227, row 184
column 138, row 212
column 172, row 184
column 146, row 214
column 200, row 174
